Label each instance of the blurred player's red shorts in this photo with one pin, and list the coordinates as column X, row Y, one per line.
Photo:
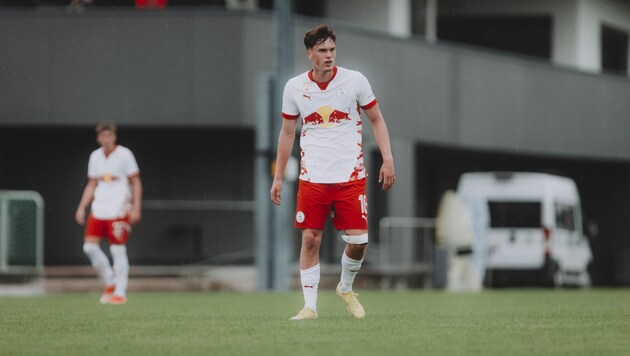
column 116, row 231
column 141, row 4
column 347, row 203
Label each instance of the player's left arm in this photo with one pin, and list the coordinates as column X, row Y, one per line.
column 387, row 175
column 136, row 188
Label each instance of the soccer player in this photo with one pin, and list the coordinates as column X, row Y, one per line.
column 332, row 174
column 115, row 191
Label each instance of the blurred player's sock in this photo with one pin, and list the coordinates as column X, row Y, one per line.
column 310, row 283
column 305, row 314
column 107, row 294
column 99, row 261
column 121, row 268
column 349, row 270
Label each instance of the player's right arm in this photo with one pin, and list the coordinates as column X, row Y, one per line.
column 86, row 199
column 285, row 145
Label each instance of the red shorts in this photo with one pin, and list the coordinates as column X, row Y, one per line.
column 116, row 231
column 347, row 203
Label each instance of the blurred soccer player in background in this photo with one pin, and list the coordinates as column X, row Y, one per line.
column 332, row 174
column 114, row 189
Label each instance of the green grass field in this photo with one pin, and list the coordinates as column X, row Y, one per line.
column 495, row 322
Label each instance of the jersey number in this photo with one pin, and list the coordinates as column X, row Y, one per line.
column 364, row 204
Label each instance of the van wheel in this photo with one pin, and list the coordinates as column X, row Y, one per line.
column 585, row 277
column 585, row 280
column 558, row 280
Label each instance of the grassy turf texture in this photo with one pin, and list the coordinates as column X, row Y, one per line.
column 494, row 322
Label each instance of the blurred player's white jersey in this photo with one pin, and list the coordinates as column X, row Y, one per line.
column 112, row 197
column 331, row 136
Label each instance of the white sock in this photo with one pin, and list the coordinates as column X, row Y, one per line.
column 310, row 283
column 99, row 261
column 121, row 268
column 349, row 270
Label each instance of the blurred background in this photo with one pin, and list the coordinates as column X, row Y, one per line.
column 484, row 85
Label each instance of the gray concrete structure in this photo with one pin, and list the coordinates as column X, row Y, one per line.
column 189, row 78
column 199, row 68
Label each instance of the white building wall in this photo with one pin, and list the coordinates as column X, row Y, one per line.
column 399, row 17
column 588, row 39
column 564, row 34
column 592, row 14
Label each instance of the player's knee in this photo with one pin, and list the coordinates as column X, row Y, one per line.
column 310, row 244
column 361, row 239
column 118, row 250
column 311, row 240
column 90, row 248
column 119, row 255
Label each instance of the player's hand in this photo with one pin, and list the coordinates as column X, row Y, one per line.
column 276, row 191
column 135, row 216
column 79, row 216
column 387, row 176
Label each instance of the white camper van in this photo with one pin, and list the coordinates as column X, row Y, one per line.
column 535, row 228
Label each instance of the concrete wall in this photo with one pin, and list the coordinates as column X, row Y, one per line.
column 565, row 34
column 591, row 16
column 373, row 16
column 182, row 68
column 576, row 40
column 391, row 16
column 130, row 66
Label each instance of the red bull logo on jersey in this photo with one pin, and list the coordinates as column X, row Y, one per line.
column 326, row 116
column 108, row 178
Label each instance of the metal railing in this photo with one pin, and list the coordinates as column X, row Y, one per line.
column 404, row 250
column 199, row 205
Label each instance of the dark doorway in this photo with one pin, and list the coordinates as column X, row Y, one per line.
column 519, row 35
column 614, row 50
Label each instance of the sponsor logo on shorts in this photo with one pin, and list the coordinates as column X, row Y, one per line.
column 299, row 217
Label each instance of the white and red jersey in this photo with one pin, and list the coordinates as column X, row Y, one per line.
column 112, row 197
column 331, row 137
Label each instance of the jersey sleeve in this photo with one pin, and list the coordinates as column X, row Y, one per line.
column 289, row 108
column 131, row 166
column 365, row 96
column 92, row 173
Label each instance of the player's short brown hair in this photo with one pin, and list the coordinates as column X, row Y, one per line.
column 105, row 126
column 318, row 34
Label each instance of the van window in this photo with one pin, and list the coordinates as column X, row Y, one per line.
column 515, row 214
column 565, row 217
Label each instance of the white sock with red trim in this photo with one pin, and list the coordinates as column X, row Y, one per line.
column 310, row 283
column 99, row 261
column 121, row 268
column 349, row 270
